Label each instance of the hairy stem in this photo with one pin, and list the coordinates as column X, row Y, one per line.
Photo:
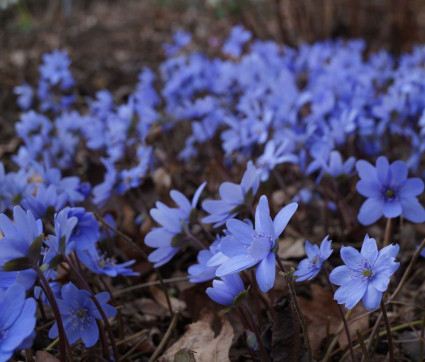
column 290, row 280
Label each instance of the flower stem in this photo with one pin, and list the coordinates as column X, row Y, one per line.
column 344, row 320
column 245, row 324
column 389, row 334
column 257, row 333
column 388, row 231
column 362, row 345
column 398, row 289
column 98, row 306
column 63, row 341
column 290, row 280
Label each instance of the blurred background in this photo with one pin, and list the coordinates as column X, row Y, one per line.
column 110, row 41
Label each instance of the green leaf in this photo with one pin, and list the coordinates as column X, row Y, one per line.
column 62, row 245
column 18, row 264
column 34, row 252
column 54, row 263
column 179, row 240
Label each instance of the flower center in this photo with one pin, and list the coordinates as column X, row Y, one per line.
column 367, row 273
column 389, row 194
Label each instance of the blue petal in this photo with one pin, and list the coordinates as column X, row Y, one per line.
column 283, row 217
column 366, row 170
column 197, row 194
column 412, row 187
column 232, row 247
column 311, row 250
column 369, row 250
column 266, row 272
column 392, row 209
column 371, row 211
column 231, row 193
column 369, row 188
column 351, row 293
column 240, row 230
column 413, row 210
column 265, row 223
column 372, row 298
column 90, row 334
column 235, row 264
column 398, row 173
column 351, row 257
column 340, row 275
column 383, row 170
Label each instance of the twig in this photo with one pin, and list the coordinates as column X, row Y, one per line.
column 164, row 340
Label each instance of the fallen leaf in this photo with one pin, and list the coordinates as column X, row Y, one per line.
column 291, row 248
column 323, row 318
column 201, row 339
column 176, row 304
column 42, row 356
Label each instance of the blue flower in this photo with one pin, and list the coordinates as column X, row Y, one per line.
column 225, row 291
column 311, row 266
column 247, row 247
column 46, row 203
column 233, row 196
column 238, row 37
column 25, row 95
column 167, row 237
column 17, row 321
column 366, row 275
column 207, row 266
column 55, row 68
column 389, row 192
column 101, row 264
column 18, row 236
column 79, row 314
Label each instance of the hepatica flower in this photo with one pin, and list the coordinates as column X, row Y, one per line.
column 233, row 197
column 168, row 237
column 17, row 321
column 389, row 192
column 225, row 291
column 247, row 246
column 79, row 314
column 366, row 275
column 311, row 266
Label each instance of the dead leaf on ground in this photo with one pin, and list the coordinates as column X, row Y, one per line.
column 291, row 248
column 176, row 304
column 323, row 318
column 42, row 356
column 201, row 338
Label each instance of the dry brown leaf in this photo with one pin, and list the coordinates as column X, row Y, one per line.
column 291, row 248
column 42, row 356
column 200, row 338
column 323, row 317
column 158, row 295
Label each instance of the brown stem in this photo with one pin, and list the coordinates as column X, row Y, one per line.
column 344, row 320
column 389, row 334
column 52, row 300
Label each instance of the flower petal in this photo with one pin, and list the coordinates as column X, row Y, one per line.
column 266, row 272
column 371, row 298
column 371, row 211
column 413, row 210
column 283, row 217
